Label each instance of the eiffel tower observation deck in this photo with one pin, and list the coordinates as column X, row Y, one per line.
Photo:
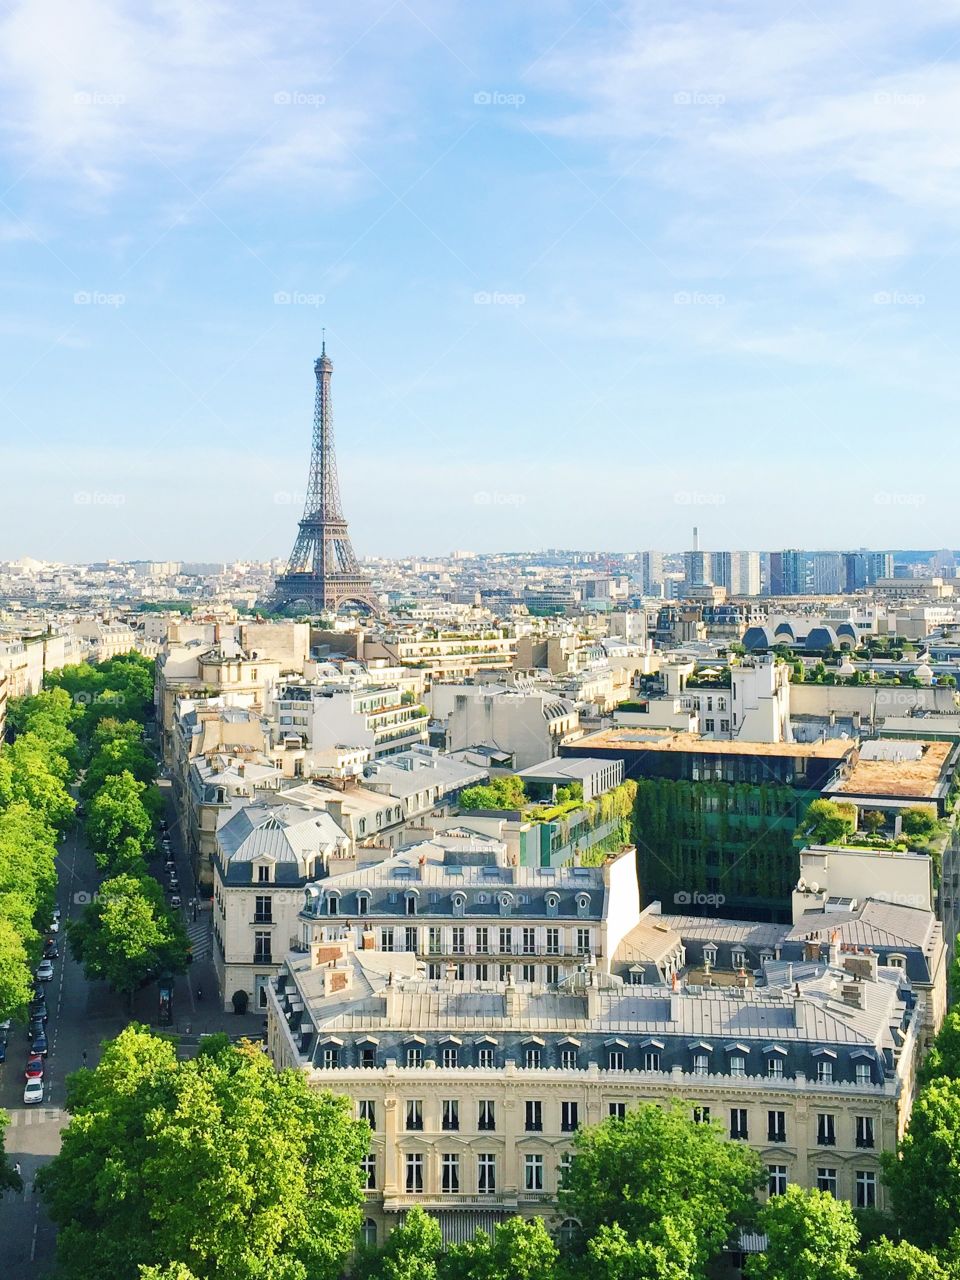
column 323, row 573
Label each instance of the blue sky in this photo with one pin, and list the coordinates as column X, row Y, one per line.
column 590, row 272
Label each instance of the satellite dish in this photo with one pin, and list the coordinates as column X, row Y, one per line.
column 814, row 888
column 802, row 885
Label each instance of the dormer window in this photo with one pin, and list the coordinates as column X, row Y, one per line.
column 583, row 903
column 263, row 874
column 333, row 903
column 506, row 903
column 710, row 956
column 363, row 903
column 553, row 903
column 459, row 904
column 411, row 902
column 896, row 961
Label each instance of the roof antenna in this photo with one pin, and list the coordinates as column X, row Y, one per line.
column 323, row 343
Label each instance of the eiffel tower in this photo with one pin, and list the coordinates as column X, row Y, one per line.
column 322, row 573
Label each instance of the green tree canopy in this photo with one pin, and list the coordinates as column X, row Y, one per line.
column 614, row 1256
column 828, row 821
column 811, row 1236
column 924, row 1176
column 127, row 934
column 886, row 1260
column 519, row 1249
column 655, row 1166
column 918, row 822
column 219, row 1164
column 117, row 814
column 499, row 793
column 943, row 1058
column 10, row 1180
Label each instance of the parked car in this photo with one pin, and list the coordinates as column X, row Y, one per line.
column 56, row 913
column 45, row 970
column 37, row 1027
column 174, row 882
column 33, row 1092
column 34, row 1068
column 175, row 900
column 38, row 1045
column 3, row 1050
column 50, row 950
column 38, row 1011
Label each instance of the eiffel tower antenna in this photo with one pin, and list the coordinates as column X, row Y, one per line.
column 323, row 573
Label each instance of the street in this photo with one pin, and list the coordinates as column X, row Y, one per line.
column 81, row 1015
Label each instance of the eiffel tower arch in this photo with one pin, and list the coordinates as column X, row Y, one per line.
column 323, row 573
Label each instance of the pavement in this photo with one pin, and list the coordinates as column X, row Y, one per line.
column 82, row 1015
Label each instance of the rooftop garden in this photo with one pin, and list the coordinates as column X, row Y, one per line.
column 834, row 822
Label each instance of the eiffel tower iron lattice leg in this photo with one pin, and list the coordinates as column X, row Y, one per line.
column 323, row 572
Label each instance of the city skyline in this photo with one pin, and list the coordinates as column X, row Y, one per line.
column 586, row 272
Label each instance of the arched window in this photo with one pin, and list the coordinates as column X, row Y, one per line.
column 583, row 904
column 568, row 1232
column 368, row 1232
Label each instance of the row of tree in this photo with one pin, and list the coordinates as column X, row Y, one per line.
column 127, row 934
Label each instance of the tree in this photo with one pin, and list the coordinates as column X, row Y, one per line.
column 270, row 1167
column 116, row 756
column 10, row 1180
column 919, row 822
column 613, row 1256
column 873, row 820
column 924, row 1175
column 32, row 774
column 127, row 934
column 828, row 821
column 944, row 1056
column 16, row 980
column 519, row 1249
column 499, row 793
column 411, row 1251
column 655, row 1166
column 810, row 1236
column 116, row 814
column 886, row 1260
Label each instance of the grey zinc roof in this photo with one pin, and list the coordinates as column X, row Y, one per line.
column 708, row 929
column 284, row 833
column 873, row 923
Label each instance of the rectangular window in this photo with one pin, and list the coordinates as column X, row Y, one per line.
column 866, row 1184
column 701, row 1115
column 263, row 875
column 738, row 1122
column 618, row 1110
column 826, row 1129
column 584, row 944
column 483, row 940
column 482, row 972
column 738, row 1064
column 486, row 1117
column 485, row 1056
column 262, row 953
column 486, row 1173
column 824, row 1071
column 529, row 942
column 568, row 1058
column 449, row 1056
column 458, row 941
column 532, row 1057
column 865, row 1131
column 776, row 1179
column 528, row 973
column 368, row 1112
column 363, row 904
column 776, row 1126
column 386, row 939
column 615, row 1060
column 863, row 1073
column 368, row 1055
column 551, row 974
column 569, row 1117
column 451, row 1115
column 415, row 1171
column 533, row 1117
column 449, row 1172
column 827, row 1180
column 533, row 1173
column 504, row 973
column 775, row 1068
column 433, row 941
column 701, row 1064
column 331, row 1057
column 411, row 939
column 506, row 942
column 414, row 1056
column 651, row 1060
column 553, row 942
column 414, row 1115
column 433, row 972
column 263, row 909
column 369, row 1166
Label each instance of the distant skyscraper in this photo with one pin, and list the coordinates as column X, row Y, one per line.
column 825, row 573
column 651, row 572
column 697, row 567
column 738, row 571
column 788, row 573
